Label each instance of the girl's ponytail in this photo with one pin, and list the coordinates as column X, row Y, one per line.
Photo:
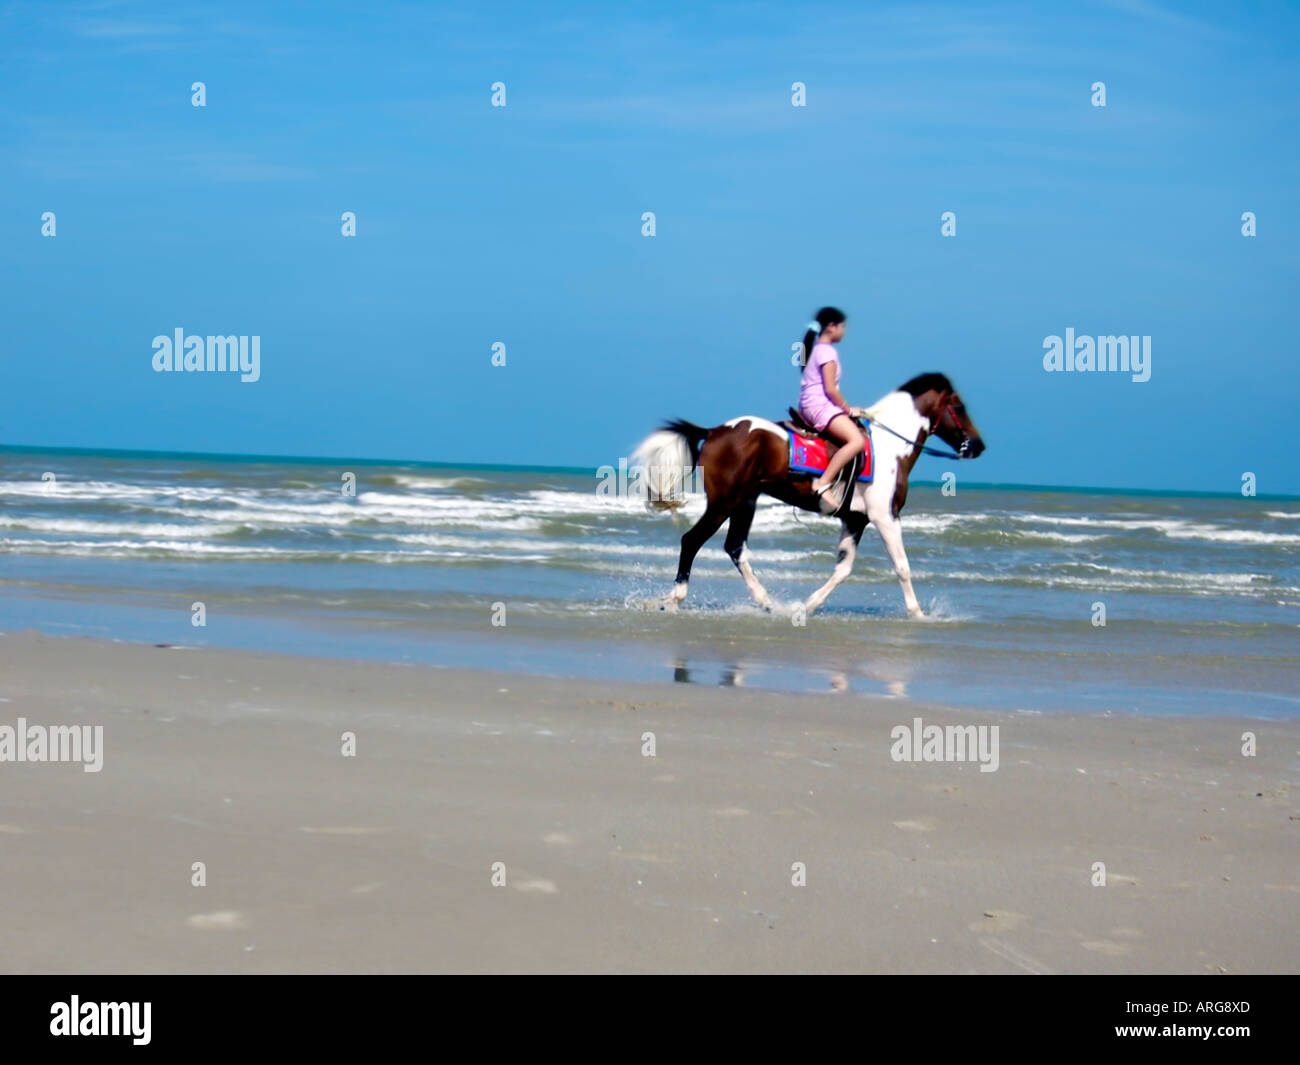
column 809, row 339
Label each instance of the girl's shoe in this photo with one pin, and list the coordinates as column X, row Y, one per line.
column 827, row 499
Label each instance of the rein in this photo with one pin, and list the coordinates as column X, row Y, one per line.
column 927, row 450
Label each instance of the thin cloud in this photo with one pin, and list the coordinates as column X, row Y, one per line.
column 122, row 29
column 237, row 167
column 1144, row 9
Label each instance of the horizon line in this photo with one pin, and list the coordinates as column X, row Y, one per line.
column 322, row 460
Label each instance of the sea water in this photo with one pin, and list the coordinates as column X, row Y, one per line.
column 1037, row 599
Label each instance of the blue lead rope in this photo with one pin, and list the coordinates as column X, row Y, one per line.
column 927, row 450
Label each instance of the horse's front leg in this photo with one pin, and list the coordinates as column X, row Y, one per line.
column 891, row 532
column 849, row 536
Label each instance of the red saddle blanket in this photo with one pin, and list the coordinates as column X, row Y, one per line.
column 809, row 456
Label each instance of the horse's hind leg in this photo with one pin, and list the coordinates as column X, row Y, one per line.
column 851, row 533
column 737, row 533
column 692, row 540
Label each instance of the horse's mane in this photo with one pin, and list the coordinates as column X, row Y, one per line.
column 924, row 382
column 918, row 385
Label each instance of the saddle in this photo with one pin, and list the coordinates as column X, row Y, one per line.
column 796, row 423
column 810, row 451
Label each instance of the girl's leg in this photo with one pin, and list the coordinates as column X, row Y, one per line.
column 846, row 431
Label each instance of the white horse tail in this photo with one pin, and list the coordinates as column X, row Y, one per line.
column 667, row 458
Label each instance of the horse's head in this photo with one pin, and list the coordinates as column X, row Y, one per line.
column 956, row 429
column 937, row 401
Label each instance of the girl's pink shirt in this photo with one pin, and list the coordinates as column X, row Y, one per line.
column 812, row 387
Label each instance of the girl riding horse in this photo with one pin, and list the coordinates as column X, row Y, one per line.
column 823, row 404
column 748, row 456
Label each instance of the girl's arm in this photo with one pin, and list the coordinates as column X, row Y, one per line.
column 831, row 382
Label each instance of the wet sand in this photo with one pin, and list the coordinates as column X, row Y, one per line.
column 614, row 861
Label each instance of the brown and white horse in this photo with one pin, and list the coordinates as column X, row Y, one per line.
column 749, row 456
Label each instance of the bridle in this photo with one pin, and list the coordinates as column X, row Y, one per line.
column 945, row 404
column 964, row 427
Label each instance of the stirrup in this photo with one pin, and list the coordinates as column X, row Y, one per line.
column 827, row 501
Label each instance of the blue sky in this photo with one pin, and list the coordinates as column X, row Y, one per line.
column 522, row 224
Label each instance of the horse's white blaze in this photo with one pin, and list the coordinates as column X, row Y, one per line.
column 666, row 459
column 757, row 423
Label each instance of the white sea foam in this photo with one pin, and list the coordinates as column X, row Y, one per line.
column 198, row 530
column 415, row 481
column 1226, row 580
column 109, row 491
column 249, row 552
column 1215, row 534
column 1174, row 528
column 1058, row 537
column 1208, row 584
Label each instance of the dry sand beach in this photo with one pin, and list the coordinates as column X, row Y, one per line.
column 616, row 862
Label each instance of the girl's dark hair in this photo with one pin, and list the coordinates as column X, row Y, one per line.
column 825, row 317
